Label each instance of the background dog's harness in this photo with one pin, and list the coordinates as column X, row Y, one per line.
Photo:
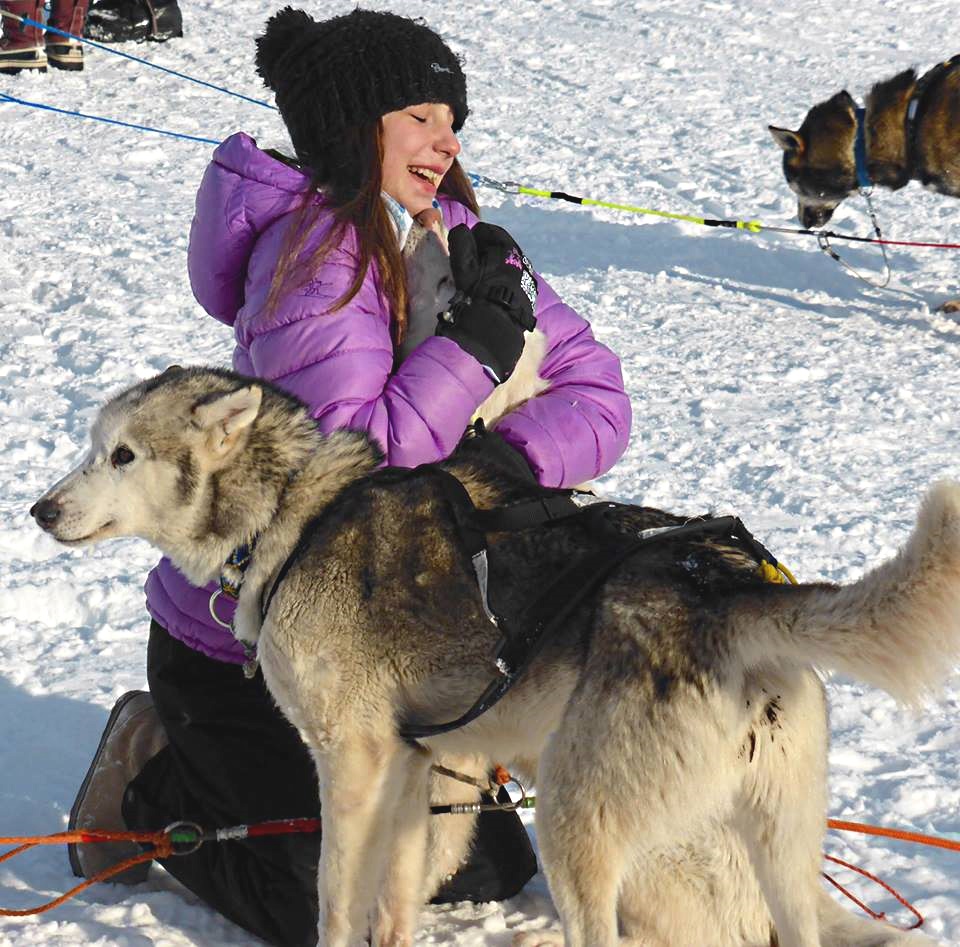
column 915, row 108
column 914, row 112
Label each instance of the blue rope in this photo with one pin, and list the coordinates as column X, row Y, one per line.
column 116, row 52
column 108, row 121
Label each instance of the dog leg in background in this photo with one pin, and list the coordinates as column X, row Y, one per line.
column 951, row 305
column 523, row 384
column 451, row 835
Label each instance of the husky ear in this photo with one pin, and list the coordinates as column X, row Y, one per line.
column 845, row 100
column 786, row 139
column 227, row 416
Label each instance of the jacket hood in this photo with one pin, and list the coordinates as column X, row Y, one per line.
column 244, row 192
column 241, row 155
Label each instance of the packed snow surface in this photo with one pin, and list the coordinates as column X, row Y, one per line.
column 765, row 380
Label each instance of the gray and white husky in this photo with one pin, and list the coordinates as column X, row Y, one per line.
column 675, row 723
column 430, row 288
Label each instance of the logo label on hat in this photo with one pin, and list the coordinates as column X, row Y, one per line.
column 436, row 67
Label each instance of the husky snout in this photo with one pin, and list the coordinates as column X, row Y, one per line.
column 46, row 512
column 812, row 216
column 58, row 514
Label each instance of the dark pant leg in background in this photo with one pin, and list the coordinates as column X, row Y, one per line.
column 232, row 759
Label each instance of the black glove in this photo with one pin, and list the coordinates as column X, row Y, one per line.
column 495, row 299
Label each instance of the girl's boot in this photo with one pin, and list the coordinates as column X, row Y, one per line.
column 68, row 16
column 21, row 47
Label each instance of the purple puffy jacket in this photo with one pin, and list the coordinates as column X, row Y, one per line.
column 341, row 364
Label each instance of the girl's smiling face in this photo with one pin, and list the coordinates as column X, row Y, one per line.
column 419, row 146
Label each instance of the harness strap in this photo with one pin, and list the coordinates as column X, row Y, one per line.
column 517, row 651
column 524, row 637
column 527, row 514
column 472, row 536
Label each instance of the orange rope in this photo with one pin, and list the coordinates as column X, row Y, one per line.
column 162, row 848
column 893, row 833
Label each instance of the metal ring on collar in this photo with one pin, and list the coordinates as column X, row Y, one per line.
column 213, row 611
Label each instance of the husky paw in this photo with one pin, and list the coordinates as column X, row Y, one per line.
column 538, row 939
column 951, row 305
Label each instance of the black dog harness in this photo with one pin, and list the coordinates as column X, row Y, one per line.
column 524, row 636
column 915, row 111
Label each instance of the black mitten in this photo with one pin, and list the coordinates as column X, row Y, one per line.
column 495, row 300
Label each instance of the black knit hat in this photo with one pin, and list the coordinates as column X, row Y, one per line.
column 351, row 69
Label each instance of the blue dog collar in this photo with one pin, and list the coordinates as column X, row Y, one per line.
column 860, row 151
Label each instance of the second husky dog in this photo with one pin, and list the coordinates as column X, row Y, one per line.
column 909, row 131
column 430, row 289
column 675, row 719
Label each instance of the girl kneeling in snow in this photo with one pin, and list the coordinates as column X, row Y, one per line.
column 303, row 258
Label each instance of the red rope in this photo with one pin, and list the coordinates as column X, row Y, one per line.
column 283, row 827
column 866, row 874
column 916, row 243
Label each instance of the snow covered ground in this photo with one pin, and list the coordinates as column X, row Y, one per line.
column 764, row 380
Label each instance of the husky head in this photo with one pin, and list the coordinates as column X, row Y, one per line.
column 818, row 159
column 169, row 462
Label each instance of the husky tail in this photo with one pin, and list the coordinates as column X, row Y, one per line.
column 897, row 628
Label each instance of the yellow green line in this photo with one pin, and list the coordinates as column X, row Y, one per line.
column 751, row 225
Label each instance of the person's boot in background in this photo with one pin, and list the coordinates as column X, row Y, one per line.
column 133, row 735
column 68, row 16
column 22, row 47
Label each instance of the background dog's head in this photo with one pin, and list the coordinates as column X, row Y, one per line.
column 818, row 159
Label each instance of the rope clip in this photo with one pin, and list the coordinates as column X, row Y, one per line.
column 185, row 837
column 823, row 241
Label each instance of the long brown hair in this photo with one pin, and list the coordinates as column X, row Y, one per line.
column 349, row 180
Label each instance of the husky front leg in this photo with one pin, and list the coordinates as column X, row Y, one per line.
column 403, row 891
column 360, row 783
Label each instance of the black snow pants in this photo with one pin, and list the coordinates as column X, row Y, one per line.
column 233, row 759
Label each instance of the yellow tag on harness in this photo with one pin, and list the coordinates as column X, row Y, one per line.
column 769, row 572
column 778, row 574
